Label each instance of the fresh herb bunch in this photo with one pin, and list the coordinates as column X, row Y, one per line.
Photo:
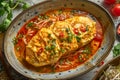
column 6, row 9
column 116, row 50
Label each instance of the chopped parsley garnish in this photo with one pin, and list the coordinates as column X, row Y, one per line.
column 61, row 61
column 63, row 50
column 67, row 30
column 60, row 11
column 47, row 48
column 70, row 37
column 80, row 58
column 78, row 39
column 87, row 50
column 53, row 41
column 53, row 53
column 14, row 40
column 20, row 35
column 43, row 17
column 52, row 47
column 30, row 24
column 49, row 35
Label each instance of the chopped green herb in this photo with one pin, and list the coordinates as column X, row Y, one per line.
column 49, row 35
column 52, row 47
column 14, row 40
column 53, row 41
column 78, row 38
column 20, row 36
column 61, row 61
column 63, row 50
column 53, row 52
column 67, row 30
column 87, row 50
column 6, row 9
column 70, row 37
column 60, row 11
column 43, row 17
column 30, row 24
column 47, row 48
column 80, row 58
column 116, row 50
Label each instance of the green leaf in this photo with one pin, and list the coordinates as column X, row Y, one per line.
column 2, row 11
column 4, row 24
column 7, row 22
column 11, row 3
column 117, row 47
column 4, row 4
column 10, row 15
column 25, row 6
column 21, row 1
column 116, row 50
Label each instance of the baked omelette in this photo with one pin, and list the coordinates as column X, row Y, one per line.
column 61, row 38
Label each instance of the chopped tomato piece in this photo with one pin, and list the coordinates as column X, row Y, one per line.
column 40, row 50
column 62, row 17
column 83, row 28
column 98, row 37
column 76, row 31
column 61, row 34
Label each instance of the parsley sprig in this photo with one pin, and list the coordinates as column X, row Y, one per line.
column 116, row 50
column 6, row 9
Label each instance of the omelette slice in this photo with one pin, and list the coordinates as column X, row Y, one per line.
column 43, row 49
column 83, row 28
column 34, row 49
column 63, row 31
column 52, row 47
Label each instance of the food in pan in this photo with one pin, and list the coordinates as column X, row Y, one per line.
column 58, row 40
